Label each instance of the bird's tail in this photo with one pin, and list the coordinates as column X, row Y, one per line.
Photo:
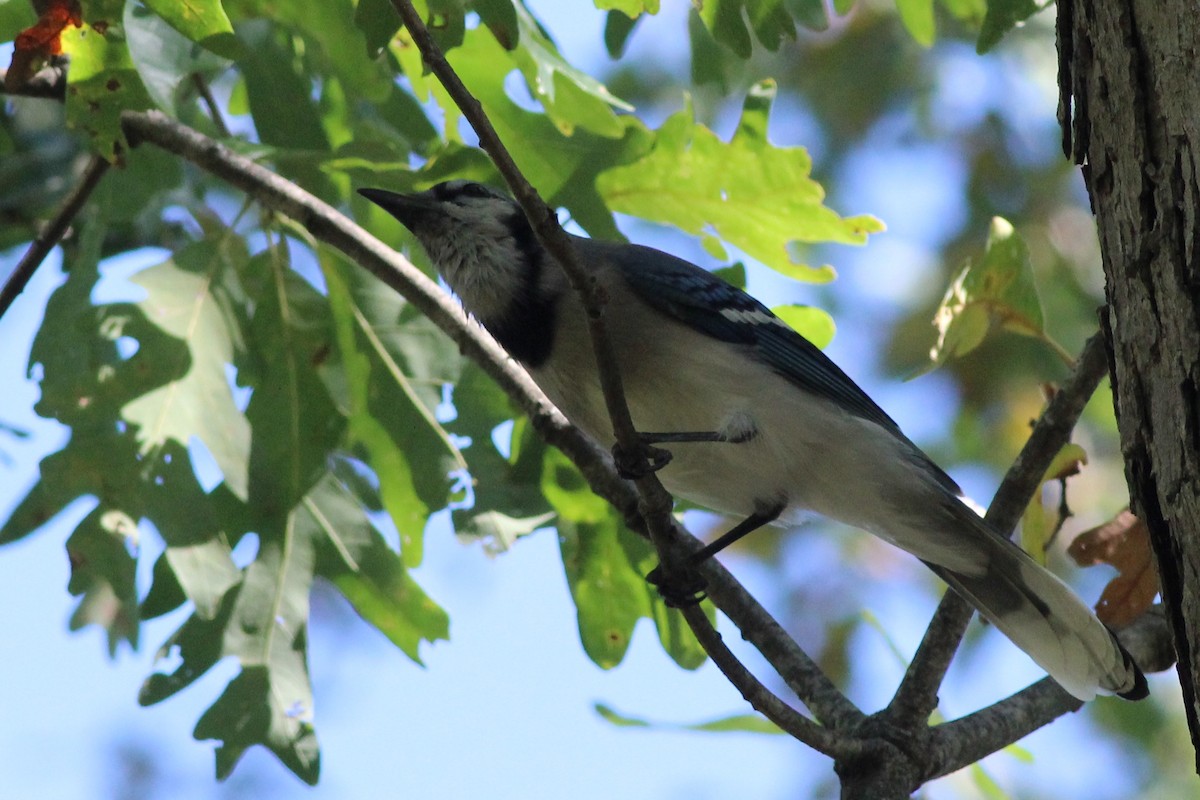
column 1044, row 617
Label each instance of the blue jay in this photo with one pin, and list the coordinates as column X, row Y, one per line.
column 768, row 427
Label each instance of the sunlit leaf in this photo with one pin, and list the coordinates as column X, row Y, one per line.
column 182, row 302
column 811, row 322
column 917, row 16
column 756, row 197
column 102, row 81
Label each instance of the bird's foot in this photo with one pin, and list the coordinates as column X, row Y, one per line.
column 640, row 462
column 681, row 590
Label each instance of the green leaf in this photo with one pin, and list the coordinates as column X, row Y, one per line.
column 812, row 14
column 571, row 97
column 768, row 20
column 355, row 557
column 406, row 447
column 165, row 58
column 609, row 597
column 999, row 290
column 987, row 785
column 249, row 712
column 618, row 27
column 200, row 21
column 103, row 571
column 15, row 16
column 917, row 16
column 378, row 21
column 563, row 168
column 294, row 424
column 102, row 81
column 631, row 9
column 735, row 723
column 972, row 11
column 1002, row 16
column 183, row 301
column 271, row 701
column 811, row 322
column 755, row 196
column 605, row 564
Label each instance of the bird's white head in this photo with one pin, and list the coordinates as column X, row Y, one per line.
column 477, row 237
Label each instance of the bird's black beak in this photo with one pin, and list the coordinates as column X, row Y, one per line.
column 408, row 208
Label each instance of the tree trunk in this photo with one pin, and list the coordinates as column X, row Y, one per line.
column 1132, row 68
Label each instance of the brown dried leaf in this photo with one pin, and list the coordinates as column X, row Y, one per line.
column 1123, row 542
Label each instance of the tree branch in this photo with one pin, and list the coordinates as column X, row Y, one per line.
column 328, row 225
column 52, row 233
column 964, row 741
column 916, row 697
column 822, row 739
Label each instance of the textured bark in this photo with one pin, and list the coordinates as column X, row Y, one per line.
column 1132, row 68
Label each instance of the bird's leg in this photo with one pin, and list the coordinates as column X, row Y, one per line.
column 652, row 459
column 688, row 587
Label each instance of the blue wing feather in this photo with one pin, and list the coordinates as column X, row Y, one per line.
column 708, row 304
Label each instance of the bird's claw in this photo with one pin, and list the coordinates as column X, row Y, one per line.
column 639, row 463
column 680, row 591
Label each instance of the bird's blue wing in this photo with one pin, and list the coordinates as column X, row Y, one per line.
column 708, row 304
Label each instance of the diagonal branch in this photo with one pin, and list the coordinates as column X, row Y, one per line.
column 49, row 237
column 328, row 225
column 822, row 739
column 916, row 697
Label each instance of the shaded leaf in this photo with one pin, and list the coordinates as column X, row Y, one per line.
column 249, row 712
column 165, row 58
column 355, row 557
column 103, row 566
column 406, row 447
column 735, row 723
column 1123, row 542
column 201, row 21
column 737, row 23
column 1002, row 16
column 998, row 291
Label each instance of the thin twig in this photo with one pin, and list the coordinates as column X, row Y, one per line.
column 916, row 696
column 798, row 670
column 964, row 741
column 210, row 102
column 792, row 722
column 52, row 233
